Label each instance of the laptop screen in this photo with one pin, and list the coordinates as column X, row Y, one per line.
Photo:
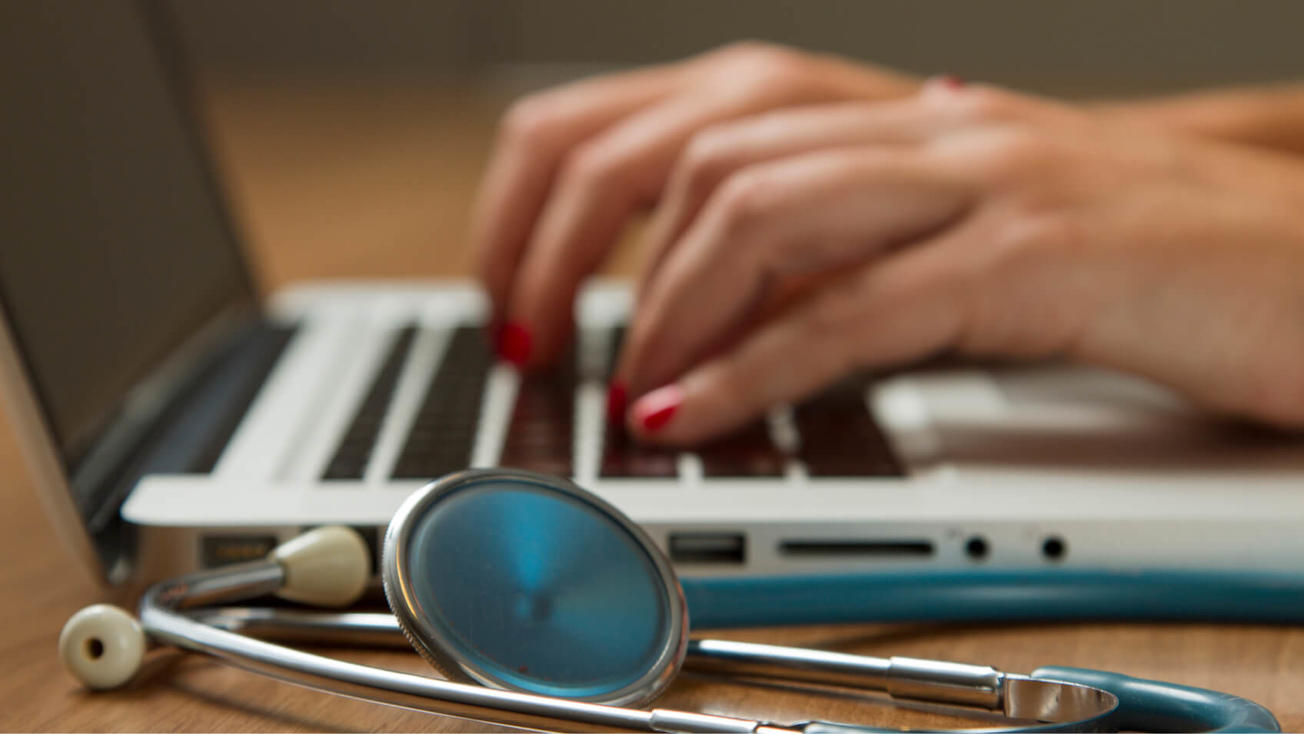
column 114, row 247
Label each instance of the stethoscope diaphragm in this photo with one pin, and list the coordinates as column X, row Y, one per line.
column 529, row 583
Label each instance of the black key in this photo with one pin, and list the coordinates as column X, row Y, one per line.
column 443, row 431
column 748, row 452
column 540, row 433
column 839, row 437
column 351, row 457
column 234, row 383
column 622, row 457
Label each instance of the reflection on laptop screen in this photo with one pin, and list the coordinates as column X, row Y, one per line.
column 114, row 249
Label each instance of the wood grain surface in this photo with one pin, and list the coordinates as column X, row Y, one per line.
column 354, row 179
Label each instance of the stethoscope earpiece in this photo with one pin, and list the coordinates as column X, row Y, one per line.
column 325, row 567
column 102, row 646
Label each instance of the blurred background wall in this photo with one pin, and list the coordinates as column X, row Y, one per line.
column 351, row 133
column 1086, row 47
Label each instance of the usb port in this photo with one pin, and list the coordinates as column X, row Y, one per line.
column 695, row 547
column 222, row 550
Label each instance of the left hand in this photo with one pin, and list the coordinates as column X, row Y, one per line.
column 574, row 163
column 973, row 220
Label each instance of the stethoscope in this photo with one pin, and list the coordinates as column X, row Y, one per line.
column 546, row 608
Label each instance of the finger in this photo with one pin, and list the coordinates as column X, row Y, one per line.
column 906, row 307
column 718, row 152
column 534, row 138
column 596, row 190
column 820, row 212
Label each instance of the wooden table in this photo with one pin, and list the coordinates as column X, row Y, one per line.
column 374, row 180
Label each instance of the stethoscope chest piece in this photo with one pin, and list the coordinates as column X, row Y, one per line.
column 528, row 583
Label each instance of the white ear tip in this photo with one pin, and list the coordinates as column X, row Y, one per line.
column 102, row 646
column 329, row 567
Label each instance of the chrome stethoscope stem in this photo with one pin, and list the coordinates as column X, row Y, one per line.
column 162, row 619
column 902, row 678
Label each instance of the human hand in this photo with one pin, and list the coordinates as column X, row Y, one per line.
column 972, row 220
column 573, row 163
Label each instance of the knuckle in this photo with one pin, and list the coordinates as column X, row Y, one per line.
column 989, row 104
column 1016, row 154
column 743, row 201
column 707, row 160
column 591, row 167
column 753, row 66
column 530, row 121
column 749, row 51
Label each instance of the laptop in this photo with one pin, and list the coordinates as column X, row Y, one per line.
column 175, row 421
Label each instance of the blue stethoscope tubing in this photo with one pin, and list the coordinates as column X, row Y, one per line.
column 1031, row 595
column 1007, row 595
column 1148, row 705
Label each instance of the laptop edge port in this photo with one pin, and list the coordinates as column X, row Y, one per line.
column 699, row 547
column 223, row 549
column 834, row 548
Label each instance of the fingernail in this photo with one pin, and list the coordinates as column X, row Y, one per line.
column 617, row 401
column 514, row 343
column 654, row 410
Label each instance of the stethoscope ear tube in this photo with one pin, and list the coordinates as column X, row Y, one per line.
column 1148, row 705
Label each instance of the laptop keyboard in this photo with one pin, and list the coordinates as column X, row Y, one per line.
column 622, row 456
column 443, row 432
column 839, row 438
column 350, row 459
column 831, row 435
column 540, row 431
column 747, row 452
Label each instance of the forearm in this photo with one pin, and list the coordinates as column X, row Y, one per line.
column 1271, row 116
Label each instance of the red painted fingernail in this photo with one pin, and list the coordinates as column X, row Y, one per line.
column 514, row 343
column 617, row 401
column 654, row 410
column 950, row 81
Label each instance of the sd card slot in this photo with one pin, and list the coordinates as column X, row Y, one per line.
column 834, row 548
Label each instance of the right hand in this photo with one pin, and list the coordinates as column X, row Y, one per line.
column 572, row 164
